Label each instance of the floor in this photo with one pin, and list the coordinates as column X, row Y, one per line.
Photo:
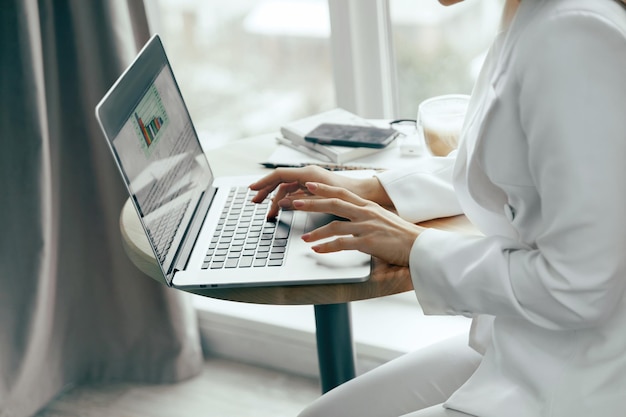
column 224, row 388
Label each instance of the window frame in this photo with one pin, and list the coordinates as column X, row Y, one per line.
column 363, row 57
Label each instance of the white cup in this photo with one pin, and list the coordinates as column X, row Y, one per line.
column 441, row 120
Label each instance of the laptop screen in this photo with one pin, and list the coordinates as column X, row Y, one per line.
column 158, row 152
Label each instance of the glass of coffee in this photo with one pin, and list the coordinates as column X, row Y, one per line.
column 441, row 119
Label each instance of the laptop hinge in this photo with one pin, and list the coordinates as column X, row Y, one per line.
column 181, row 258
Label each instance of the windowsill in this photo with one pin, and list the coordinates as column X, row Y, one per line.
column 284, row 336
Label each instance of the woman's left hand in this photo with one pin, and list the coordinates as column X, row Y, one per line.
column 371, row 228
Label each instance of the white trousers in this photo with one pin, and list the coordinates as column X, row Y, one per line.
column 413, row 385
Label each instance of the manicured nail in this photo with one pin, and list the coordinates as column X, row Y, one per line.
column 311, row 186
column 315, row 248
column 306, row 237
column 298, row 203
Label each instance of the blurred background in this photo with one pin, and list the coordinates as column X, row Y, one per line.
column 247, row 66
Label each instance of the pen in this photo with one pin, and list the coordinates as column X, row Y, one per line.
column 330, row 167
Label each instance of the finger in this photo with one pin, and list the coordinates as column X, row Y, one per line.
column 286, row 189
column 261, row 194
column 270, row 181
column 334, row 206
column 336, row 245
column 283, row 190
column 288, row 175
column 285, row 202
column 334, row 228
column 266, row 185
column 324, row 190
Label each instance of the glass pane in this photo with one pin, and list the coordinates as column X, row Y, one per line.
column 247, row 66
column 439, row 50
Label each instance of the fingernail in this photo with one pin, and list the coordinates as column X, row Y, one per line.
column 306, row 236
column 315, row 248
column 298, row 203
column 284, row 203
column 311, row 186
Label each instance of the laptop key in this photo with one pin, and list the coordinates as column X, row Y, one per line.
column 282, row 231
column 279, row 243
column 275, row 256
column 246, row 261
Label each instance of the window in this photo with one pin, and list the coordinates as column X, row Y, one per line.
column 247, row 66
column 389, row 55
column 439, row 50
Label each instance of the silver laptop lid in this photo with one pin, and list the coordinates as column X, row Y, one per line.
column 154, row 142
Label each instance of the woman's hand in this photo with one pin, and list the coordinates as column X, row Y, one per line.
column 371, row 228
column 289, row 184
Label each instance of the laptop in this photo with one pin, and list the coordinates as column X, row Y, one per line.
column 203, row 230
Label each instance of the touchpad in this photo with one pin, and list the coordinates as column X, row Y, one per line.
column 315, row 220
column 341, row 259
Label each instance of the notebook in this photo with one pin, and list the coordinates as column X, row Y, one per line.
column 204, row 231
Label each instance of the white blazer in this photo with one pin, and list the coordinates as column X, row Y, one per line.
column 541, row 171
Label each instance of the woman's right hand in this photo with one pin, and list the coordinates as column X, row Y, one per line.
column 289, row 184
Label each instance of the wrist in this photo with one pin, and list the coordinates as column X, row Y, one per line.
column 373, row 190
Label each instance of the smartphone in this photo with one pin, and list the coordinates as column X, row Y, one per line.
column 350, row 135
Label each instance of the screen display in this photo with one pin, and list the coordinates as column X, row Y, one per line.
column 163, row 163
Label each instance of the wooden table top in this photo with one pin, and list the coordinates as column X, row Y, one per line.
column 385, row 279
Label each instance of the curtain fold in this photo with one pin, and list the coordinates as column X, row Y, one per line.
column 72, row 306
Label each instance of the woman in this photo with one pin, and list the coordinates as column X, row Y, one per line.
column 540, row 171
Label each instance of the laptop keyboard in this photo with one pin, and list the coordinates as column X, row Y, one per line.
column 244, row 238
column 163, row 229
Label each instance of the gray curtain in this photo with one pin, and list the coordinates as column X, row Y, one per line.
column 73, row 308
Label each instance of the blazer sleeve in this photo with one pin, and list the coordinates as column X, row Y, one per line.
column 425, row 191
column 572, row 99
